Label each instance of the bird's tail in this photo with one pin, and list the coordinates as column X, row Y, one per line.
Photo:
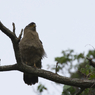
column 30, row 79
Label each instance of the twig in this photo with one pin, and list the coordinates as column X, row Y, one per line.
column 56, row 67
column 90, row 89
column 90, row 45
column 92, row 85
column 80, row 91
column 19, row 38
column 13, row 28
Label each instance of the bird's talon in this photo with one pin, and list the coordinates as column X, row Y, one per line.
column 35, row 65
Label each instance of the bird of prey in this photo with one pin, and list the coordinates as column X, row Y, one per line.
column 31, row 51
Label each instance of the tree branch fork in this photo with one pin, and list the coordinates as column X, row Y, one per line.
column 40, row 72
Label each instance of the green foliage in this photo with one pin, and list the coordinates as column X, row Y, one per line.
column 41, row 88
column 85, row 92
column 88, row 71
column 91, row 53
column 68, row 90
column 82, row 70
column 66, row 57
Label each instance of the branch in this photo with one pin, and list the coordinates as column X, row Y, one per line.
column 50, row 76
column 14, row 40
column 57, row 78
column 6, row 31
column 9, row 67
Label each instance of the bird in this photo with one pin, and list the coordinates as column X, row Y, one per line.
column 31, row 52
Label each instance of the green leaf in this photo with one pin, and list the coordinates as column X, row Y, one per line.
column 66, row 87
column 41, row 88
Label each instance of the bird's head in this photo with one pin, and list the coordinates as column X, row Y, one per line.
column 31, row 26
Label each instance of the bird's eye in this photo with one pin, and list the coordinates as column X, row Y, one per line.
column 33, row 25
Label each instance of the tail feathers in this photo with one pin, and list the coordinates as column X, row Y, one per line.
column 30, row 79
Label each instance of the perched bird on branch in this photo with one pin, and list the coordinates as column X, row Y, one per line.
column 31, row 51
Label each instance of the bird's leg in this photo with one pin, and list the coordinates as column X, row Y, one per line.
column 35, row 64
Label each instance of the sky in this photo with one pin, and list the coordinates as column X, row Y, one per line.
column 61, row 25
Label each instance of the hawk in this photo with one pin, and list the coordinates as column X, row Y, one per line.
column 31, row 51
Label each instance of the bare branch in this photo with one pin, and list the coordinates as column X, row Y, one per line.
column 6, row 31
column 57, row 78
column 50, row 76
column 9, row 67
column 14, row 40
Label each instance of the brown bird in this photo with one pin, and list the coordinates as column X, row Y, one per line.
column 31, row 51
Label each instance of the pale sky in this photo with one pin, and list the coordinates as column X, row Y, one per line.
column 61, row 24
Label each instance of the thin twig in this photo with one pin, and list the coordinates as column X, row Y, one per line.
column 90, row 89
column 92, row 85
column 19, row 38
column 90, row 45
column 13, row 28
column 56, row 67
